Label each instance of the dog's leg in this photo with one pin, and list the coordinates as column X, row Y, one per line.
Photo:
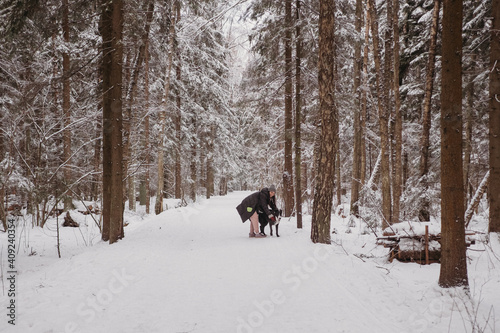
column 276, row 226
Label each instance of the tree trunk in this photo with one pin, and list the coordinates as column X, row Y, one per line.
column 477, row 198
column 388, row 77
column 112, row 23
column 146, row 125
column 162, row 117
column 127, row 118
column 424, row 214
column 298, row 118
column 178, row 132
column 193, row 168
column 223, row 186
column 3, row 215
column 66, row 105
column 364, row 102
column 375, row 173
column 305, row 185
column 288, row 172
column 96, row 178
column 338, row 176
column 129, row 189
column 382, row 96
column 453, row 257
column 398, row 122
column 356, row 156
column 97, row 152
column 388, row 87
column 494, row 123
column 469, row 107
column 323, row 194
column 210, row 185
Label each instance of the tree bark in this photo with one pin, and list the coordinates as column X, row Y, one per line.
column 453, row 257
column 298, row 117
column 66, row 105
column 96, row 178
column 356, row 156
column 424, row 214
column 325, row 173
column 494, row 123
column 210, row 183
column 112, row 23
column 147, row 126
column 338, row 176
column 469, row 107
column 3, row 216
column 129, row 183
column 193, row 169
column 364, row 102
column 97, row 152
column 178, row 132
column 388, row 86
column 305, row 185
column 398, row 122
column 2, row 186
column 288, row 170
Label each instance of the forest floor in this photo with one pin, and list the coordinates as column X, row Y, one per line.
column 194, row 269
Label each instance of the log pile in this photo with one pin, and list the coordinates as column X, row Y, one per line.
column 90, row 210
column 409, row 243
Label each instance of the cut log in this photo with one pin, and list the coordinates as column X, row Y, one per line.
column 416, row 242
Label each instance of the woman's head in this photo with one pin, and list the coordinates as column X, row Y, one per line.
column 272, row 190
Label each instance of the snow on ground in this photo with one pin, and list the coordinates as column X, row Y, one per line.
column 194, row 269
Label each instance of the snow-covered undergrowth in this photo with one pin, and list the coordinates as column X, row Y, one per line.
column 194, row 269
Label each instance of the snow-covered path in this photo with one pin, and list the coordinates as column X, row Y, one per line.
column 194, row 269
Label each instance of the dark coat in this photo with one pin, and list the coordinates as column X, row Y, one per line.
column 258, row 201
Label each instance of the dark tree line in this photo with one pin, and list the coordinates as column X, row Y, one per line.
column 344, row 100
column 60, row 108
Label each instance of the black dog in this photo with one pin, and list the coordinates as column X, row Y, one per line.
column 263, row 220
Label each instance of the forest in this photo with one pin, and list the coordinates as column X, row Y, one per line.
column 122, row 103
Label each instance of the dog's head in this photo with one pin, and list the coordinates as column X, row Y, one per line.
column 277, row 214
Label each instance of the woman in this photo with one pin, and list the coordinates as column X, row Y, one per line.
column 255, row 202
